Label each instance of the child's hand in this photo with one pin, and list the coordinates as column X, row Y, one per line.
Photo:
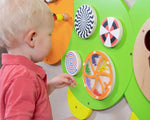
column 61, row 81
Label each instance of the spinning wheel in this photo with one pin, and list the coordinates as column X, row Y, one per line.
column 85, row 21
column 111, row 32
column 98, row 75
column 72, row 62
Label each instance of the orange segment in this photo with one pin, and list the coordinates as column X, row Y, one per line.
column 62, row 30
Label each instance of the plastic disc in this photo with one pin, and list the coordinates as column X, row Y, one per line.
column 111, row 32
column 85, row 21
column 73, row 62
column 98, row 75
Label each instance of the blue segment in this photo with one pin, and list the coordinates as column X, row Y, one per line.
column 93, row 59
column 88, row 82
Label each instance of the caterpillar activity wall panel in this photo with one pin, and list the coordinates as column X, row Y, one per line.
column 117, row 33
column 118, row 54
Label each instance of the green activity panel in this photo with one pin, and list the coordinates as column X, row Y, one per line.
column 115, row 13
column 137, row 93
column 114, row 54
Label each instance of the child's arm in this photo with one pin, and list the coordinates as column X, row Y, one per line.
column 20, row 99
column 61, row 81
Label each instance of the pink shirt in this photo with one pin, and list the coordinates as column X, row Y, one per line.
column 23, row 90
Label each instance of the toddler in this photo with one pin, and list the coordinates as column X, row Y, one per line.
column 25, row 30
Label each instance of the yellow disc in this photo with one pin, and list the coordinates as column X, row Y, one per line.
column 59, row 17
column 78, row 110
column 133, row 116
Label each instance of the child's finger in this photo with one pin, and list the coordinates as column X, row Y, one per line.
column 69, row 77
column 72, row 85
column 69, row 83
column 74, row 81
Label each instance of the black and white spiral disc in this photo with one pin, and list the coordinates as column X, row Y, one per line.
column 85, row 21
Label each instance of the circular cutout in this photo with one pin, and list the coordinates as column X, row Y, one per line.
column 98, row 75
column 111, row 32
column 147, row 40
column 85, row 21
column 72, row 62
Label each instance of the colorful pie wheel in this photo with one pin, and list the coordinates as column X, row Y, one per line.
column 72, row 62
column 85, row 21
column 98, row 75
column 111, row 32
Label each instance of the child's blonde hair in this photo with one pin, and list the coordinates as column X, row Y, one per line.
column 18, row 17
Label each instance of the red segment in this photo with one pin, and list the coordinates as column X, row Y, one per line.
column 107, row 28
column 54, row 15
column 111, row 36
column 112, row 28
column 96, row 92
column 106, row 35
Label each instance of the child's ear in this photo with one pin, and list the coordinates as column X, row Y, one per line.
column 31, row 38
